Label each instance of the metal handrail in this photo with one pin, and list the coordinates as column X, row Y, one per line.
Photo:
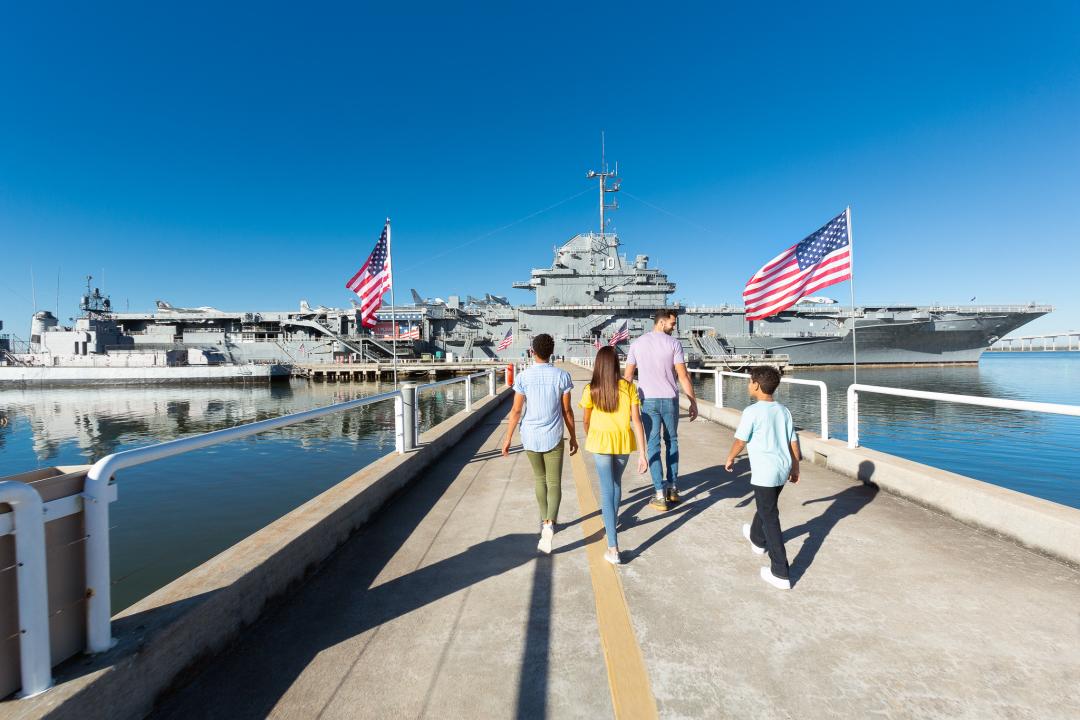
column 35, row 659
column 96, row 496
column 1027, row 405
column 823, row 390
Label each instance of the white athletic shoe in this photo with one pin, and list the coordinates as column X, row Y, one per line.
column 780, row 583
column 546, row 534
column 612, row 556
column 746, row 534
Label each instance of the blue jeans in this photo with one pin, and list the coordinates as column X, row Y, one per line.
column 661, row 415
column 610, row 468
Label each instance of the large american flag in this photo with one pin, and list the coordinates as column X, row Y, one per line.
column 820, row 260
column 372, row 281
column 622, row 334
column 506, row 341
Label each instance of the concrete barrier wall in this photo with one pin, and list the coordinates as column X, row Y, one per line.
column 168, row 634
column 1041, row 525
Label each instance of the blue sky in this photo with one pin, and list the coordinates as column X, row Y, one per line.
column 245, row 157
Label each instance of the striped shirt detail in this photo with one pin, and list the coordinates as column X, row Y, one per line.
column 543, row 386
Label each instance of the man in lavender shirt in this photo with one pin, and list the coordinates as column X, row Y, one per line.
column 658, row 359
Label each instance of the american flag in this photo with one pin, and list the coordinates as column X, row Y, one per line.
column 410, row 334
column 822, row 259
column 372, row 281
column 622, row 334
column 506, row 341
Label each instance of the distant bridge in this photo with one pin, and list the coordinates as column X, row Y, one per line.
column 1038, row 343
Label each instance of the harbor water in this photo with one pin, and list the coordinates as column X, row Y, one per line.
column 174, row 514
column 1032, row 453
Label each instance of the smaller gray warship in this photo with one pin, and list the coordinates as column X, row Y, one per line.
column 97, row 351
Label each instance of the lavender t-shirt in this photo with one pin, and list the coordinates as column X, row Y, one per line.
column 656, row 353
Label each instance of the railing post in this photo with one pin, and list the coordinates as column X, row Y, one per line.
column 852, row 417
column 824, row 411
column 98, row 577
column 399, row 425
column 410, row 417
column 491, row 382
column 468, row 393
column 718, row 379
column 35, row 658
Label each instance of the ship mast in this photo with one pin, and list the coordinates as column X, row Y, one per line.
column 604, row 175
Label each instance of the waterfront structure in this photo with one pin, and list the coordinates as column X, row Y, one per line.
column 96, row 350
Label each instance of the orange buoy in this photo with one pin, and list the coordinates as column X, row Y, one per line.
column 510, row 375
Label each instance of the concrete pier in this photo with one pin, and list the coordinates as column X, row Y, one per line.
column 443, row 608
column 440, row 606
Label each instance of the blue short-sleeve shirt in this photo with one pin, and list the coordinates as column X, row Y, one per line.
column 543, row 386
column 767, row 430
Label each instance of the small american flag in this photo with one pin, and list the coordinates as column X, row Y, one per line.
column 820, row 260
column 372, row 281
column 622, row 334
column 410, row 334
column 506, row 341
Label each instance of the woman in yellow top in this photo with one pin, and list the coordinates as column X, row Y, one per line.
column 612, row 431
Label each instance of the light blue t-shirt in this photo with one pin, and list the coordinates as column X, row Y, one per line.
column 543, row 386
column 767, row 430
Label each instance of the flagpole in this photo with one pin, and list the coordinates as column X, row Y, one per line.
column 851, row 285
column 393, row 305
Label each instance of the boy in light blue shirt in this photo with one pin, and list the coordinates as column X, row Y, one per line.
column 768, row 434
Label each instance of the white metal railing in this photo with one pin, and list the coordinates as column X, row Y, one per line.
column 823, row 391
column 853, row 404
column 35, row 658
column 97, row 492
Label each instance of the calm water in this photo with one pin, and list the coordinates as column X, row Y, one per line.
column 174, row 514
column 1029, row 452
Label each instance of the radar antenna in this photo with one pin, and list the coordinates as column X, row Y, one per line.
column 604, row 176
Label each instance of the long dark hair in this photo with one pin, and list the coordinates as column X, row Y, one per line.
column 604, row 386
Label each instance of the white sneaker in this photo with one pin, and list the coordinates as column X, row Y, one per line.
column 546, row 534
column 746, row 534
column 781, row 583
column 612, row 556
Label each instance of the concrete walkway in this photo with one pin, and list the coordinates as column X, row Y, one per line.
column 443, row 608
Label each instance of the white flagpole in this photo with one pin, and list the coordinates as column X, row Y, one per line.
column 851, row 284
column 393, row 305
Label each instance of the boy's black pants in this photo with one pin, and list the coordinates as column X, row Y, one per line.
column 765, row 529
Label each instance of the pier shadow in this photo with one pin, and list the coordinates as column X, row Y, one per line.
column 699, row 490
column 342, row 601
column 843, row 504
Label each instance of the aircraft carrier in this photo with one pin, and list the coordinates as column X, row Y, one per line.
column 589, row 290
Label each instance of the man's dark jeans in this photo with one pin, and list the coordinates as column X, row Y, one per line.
column 765, row 529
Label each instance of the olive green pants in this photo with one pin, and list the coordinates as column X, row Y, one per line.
column 547, row 471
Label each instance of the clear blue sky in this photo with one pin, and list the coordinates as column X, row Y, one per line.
column 245, row 157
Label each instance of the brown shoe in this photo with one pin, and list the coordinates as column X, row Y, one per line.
column 658, row 503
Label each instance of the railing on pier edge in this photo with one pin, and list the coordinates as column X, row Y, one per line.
column 26, row 520
column 853, row 404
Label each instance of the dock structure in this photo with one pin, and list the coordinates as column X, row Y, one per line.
column 441, row 606
column 381, row 371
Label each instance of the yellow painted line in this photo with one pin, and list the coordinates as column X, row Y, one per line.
column 631, row 694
